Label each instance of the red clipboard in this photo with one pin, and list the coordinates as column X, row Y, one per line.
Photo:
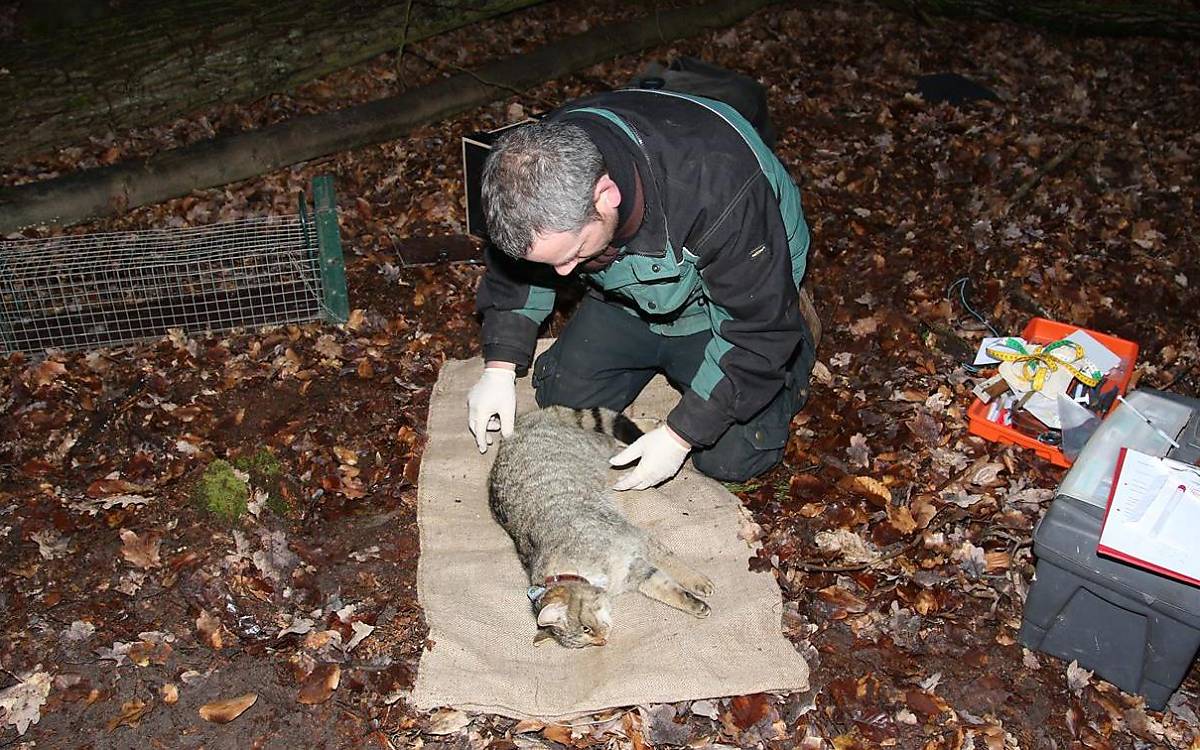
column 1116, row 554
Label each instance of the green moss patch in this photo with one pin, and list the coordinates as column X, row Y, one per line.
column 266, row 473
column 221, row 492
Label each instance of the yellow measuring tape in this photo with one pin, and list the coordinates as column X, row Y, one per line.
column 1039, row 362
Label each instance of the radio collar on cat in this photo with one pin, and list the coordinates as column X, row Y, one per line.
column 536, row 592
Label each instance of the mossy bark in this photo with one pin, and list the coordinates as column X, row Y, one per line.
column 151, row 61
column 1178, row 19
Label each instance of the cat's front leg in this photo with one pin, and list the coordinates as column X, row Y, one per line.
column 663, row 588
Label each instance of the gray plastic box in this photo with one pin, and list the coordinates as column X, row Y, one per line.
column 1137, row 629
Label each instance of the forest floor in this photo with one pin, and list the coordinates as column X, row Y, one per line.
column 126, row 608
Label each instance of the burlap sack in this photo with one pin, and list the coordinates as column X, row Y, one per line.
column 481, row 626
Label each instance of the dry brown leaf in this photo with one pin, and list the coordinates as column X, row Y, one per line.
column 131, row 713
column 846, row 742
column 852, row 548
column 361, row 631
column 985, row 473
column 902, row 519
column 996, row 560
column 631, row 722
column 750, row 532
column 864, row 326
column 447, row 721
column 1077, row 677
column 320, row 684
column 748, row 710
column 993, row 737
column 141, row 551
column 872, row 489
column 169, row 693
column 345, row 455
column 318, row 639
column 105, row 487
column 357, row 317
column 365, row 370
column 859, row 452
column 223, row 712
column 21, row 704
column 922, row 703
column 209, row 628
column 925, row 603
column 328, row 347
column 43, row 373
column 558, row 733
column 142, row 653
column 822, row 374
column 528, row 725
column 923, row 510
column 842, row 599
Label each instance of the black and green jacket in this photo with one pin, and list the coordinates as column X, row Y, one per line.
column 722, row 248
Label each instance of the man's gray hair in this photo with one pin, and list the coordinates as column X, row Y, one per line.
column 539, row 178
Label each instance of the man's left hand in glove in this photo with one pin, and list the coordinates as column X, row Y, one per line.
column 662, row 452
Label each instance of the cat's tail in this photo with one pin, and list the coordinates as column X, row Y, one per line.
column 599, row 419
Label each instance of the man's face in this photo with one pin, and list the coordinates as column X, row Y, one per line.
column 566, row 250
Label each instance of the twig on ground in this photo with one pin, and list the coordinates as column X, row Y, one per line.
column 1049, row 167
column 815, row 568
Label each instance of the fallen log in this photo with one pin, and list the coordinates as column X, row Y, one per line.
column 110, row 190
column 1174, row 19
column 145, row 63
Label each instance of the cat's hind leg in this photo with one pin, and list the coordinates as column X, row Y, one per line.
column 663, row 559
column 663, row 588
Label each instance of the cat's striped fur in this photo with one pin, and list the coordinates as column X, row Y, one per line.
column 549, row 489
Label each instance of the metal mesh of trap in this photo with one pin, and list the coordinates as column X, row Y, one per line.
column 108, row 289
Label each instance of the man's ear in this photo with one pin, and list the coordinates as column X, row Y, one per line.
column 606, row 193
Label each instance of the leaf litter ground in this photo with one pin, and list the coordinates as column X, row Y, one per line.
column 132, row 618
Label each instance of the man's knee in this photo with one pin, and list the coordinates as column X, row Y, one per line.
column 557, row 385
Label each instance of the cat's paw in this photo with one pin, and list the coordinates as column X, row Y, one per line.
column 703, row 587
column 697, row 608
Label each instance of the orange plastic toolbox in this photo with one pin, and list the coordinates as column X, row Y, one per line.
column 1042, row 331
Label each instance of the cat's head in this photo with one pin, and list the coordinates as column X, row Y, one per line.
column 575, row 615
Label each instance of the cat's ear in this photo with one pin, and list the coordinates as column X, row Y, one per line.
column 554, row 613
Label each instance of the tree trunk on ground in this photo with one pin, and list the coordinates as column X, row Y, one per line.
column 108, row 190
column 1177, row 19
column 153, row 60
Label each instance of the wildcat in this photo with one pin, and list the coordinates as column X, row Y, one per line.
column 549, row 490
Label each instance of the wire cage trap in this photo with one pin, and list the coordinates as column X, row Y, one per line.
column 98, row 290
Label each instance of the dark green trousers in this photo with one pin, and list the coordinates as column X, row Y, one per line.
column 605, row 356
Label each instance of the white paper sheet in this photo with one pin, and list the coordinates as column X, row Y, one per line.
column 1101, row 356
column 983, row 358
column 1154, row 516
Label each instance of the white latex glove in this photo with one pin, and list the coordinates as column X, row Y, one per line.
column 492, row 404
column 662, row 453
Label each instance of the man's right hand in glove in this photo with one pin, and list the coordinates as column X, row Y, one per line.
column 492, row 403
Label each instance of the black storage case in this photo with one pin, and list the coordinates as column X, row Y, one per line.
column 476, row 147
column 1137, row 629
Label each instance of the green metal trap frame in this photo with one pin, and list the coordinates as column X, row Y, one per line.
column 99, row 290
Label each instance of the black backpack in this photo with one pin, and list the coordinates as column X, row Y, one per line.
column 687, row 75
